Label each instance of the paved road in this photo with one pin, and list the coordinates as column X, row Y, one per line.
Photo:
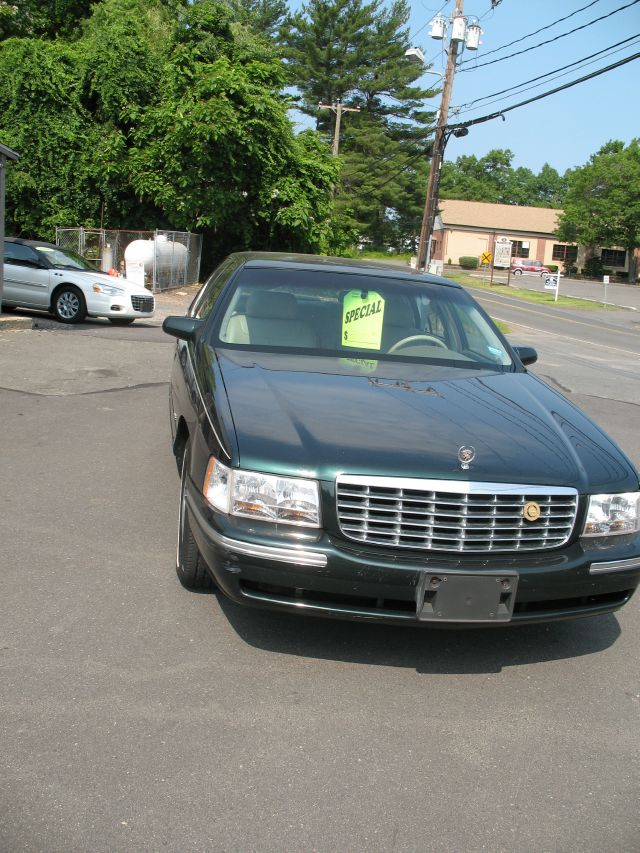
column 625, row 295
column 136, row 716
column 593, row 356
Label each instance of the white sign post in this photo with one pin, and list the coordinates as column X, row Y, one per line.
column 502, row 256
column 605, row 280
column 502, row 252
column 552, row 282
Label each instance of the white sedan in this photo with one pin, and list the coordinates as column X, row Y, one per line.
column 44, row 276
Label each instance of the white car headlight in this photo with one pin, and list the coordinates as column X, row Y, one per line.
column 608, row 515
column 107, row 289
column 287, row 500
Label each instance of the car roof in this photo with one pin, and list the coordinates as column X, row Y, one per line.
column 278, row 260
column 34, row 243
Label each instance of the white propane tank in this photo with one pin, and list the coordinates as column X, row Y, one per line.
column 138, row 261
column 170, row 257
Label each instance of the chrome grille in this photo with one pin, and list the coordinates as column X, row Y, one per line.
column 442, row 515
column 142, row 303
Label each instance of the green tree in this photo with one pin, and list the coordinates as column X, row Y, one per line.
column 263, row 16
column 27, row 18
column 42, row 117
column 352, row 51
column 161, row 114
column 602, row 204
column 492, row 178
column 216, row 151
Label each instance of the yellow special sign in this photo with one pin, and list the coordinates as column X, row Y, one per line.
column 486, row 258
column 362, row 316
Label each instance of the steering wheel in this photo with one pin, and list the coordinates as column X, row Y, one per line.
column 412, row 339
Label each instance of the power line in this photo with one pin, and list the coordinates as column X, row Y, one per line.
column 535, row 32
column 550, row 41
column 500, row 113
column 550, row 74
column 452, row 127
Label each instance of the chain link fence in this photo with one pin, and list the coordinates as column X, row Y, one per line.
column 161, row 260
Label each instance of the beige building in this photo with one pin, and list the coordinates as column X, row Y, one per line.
column 472, row 227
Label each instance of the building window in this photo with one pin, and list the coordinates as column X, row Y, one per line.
column 520, row 249
column 613, row 257
column 566, row 254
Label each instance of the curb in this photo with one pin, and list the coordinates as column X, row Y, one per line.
column 8, row 323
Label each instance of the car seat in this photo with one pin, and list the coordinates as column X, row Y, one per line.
column 270, row 319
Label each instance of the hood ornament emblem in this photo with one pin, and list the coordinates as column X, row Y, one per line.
column 531, row 511
column 466, row 455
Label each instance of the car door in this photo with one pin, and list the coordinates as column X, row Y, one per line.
column 26, row 277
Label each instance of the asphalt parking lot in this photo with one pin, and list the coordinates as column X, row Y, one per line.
column 137, row 716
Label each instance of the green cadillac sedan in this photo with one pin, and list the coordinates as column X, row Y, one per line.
column 359, row 441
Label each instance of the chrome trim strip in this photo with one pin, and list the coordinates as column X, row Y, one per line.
column 460, row 487
column 614, row 566
column 195, row 382
column 296, row 556
column 327, row 608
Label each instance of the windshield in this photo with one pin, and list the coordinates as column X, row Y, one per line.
column 332, row 313
column 64, row 259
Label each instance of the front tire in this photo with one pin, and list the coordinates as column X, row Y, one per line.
column 69, row 305
column 190, row 567
column 517, row 272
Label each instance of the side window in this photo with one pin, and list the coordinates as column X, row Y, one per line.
column 206, row 299
column 22, row 256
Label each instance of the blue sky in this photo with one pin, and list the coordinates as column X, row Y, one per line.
column 563, row 129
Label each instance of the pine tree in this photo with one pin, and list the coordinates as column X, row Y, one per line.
column 353, row 51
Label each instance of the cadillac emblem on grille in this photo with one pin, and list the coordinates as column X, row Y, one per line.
column 466, row 455
column 531, row 511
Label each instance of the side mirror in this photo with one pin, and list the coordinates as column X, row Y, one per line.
column 184, row 328
column 527, row 355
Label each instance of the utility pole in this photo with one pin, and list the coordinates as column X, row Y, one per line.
column 338, row 108
column 5, row 155
column 440, row 140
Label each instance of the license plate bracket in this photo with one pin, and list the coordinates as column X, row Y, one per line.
column 466, row 597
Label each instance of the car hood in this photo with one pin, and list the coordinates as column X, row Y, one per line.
column 86, row 278
column 317, row 417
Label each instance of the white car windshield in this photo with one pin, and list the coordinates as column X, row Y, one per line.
column 65, row 259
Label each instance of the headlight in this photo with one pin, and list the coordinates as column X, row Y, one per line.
column 612, row 514
column 287, row 500
column 107, row 289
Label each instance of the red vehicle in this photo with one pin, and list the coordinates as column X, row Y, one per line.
column 525, row 265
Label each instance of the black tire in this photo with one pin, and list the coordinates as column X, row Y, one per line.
column 69, row 305
column 121, row 321
column 190, row 567
column 8, row 309
column 517, row 272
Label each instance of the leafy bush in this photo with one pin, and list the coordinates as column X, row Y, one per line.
column 552, row 267
column 593, row 267
column 468, row 263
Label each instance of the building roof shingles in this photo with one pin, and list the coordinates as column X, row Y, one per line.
column 507, row 217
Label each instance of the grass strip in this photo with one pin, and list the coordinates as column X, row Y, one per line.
column 546, row 297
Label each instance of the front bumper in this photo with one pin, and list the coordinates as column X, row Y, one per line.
column 311, row 571
column 126, row 306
